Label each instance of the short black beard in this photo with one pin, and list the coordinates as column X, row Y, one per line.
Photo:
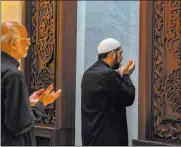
column 116, row 64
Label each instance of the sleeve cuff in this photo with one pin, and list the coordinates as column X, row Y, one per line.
column 39, row 106
column 127, row 78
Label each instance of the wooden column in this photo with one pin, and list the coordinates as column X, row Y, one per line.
column 52, row 26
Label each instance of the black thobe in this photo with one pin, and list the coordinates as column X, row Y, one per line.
column 17, row 116
column 105, row 95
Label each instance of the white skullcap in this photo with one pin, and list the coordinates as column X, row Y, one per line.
column 107, row 45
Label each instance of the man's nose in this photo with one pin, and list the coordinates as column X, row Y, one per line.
column 28, row 43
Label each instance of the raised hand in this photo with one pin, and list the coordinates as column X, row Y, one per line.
column 131, row 66
column 49, row 96
column 128, row 68
column 34, row 98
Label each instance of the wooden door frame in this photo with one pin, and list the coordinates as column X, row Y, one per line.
column 145, row 59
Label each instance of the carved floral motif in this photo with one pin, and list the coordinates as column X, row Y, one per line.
column 43, row 48
column 166, row 84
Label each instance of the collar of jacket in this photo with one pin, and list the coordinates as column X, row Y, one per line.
column 9, row 59
column 103, row 62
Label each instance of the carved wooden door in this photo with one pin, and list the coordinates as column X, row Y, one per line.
column 166, row 71
column 52, row 60
column 160, row 73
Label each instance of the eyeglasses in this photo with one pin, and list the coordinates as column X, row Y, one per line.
column 21, row 38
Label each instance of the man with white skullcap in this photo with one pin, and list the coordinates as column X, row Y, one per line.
column 106, row 92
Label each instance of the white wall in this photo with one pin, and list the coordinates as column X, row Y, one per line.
column 98, row 20
column 11, row 11
column 79, row 67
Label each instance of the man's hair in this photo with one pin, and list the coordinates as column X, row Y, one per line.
column 9, row 30
column 104, row 55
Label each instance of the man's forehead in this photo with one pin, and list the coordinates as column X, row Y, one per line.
column 23, row 32
column 12, row 27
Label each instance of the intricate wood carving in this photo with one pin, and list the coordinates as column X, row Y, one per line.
column 48, row 22
column 166, row 70
column 159, row 73
column 43, row 50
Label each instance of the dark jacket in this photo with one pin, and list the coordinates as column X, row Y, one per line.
column 17, row 116
column 105, row 96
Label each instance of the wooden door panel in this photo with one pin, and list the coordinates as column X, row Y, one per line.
column 160, row 73
column 166, row 75
column 52, row 26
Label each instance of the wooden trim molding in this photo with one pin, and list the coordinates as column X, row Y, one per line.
column 145, row 58
column 149, row 143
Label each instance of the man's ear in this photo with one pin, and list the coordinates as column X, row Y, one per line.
column 112, row 54
column 13, row 43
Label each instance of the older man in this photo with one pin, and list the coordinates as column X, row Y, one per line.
column 106, row 92
column 18, row 110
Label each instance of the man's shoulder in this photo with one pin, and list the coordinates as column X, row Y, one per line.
column 112, row 72
column 10, row 71
column 101, row 69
